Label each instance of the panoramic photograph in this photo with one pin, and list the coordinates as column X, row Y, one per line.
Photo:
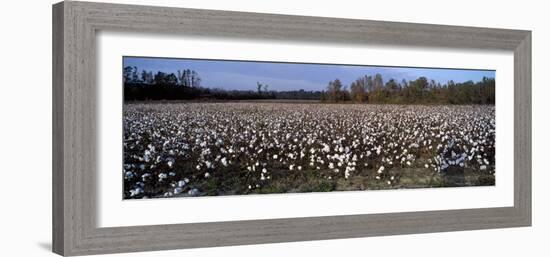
column 198, row 127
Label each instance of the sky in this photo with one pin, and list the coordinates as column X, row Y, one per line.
column 243, row 75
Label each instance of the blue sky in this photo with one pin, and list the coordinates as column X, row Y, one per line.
column 243, row 75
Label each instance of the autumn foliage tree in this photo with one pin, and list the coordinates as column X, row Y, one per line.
column 336, row 92
column 372, row 89
column 358, row 90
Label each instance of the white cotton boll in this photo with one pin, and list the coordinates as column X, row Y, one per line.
column 224, row 161
column 264, row 170
column 409, row 163
column 193, row 192
column 299, row 167
column 380, row 170
column 291, row 167
column 275, row 156
column 208, row 164
column 128, row 175
column 181, row 183
column 136, row 192
column 482, row 167
column 206, row 175
column 145, row 176
column 162, row 176
column 178, row 190
column 426, row 165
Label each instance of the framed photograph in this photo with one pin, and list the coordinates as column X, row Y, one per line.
column 183, row 128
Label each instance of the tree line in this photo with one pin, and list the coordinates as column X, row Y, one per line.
column 420, row 91
column 185, row 77
column 186, row 84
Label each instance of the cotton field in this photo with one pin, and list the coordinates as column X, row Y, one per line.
column 233, row 148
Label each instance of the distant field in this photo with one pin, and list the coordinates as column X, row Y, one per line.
column 250, row 147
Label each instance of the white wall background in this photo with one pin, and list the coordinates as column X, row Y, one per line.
column 25, row 127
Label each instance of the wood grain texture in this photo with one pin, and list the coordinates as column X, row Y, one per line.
column 58, row 230
column 75, row 25
column 522, row 128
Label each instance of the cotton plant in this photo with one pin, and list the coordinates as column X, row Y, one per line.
column 165, row 143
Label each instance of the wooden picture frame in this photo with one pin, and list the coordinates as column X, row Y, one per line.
column 75, row 25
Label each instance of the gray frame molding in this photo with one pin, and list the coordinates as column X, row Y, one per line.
column 74, row 113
